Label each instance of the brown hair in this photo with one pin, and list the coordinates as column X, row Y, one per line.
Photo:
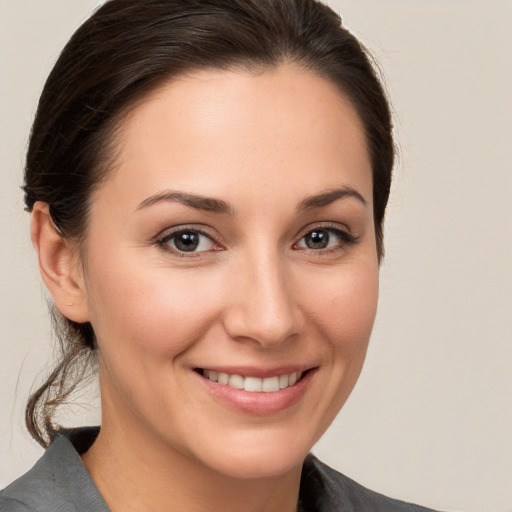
column 125, row 50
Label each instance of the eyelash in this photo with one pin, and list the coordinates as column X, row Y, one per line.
column 346, row 240
column 164, row 242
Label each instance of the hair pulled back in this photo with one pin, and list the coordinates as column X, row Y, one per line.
column 128, row 48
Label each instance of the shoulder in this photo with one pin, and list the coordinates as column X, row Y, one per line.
column 58, row 482
column 11, row 504
column 40, row 488
column 325, row 489
column 25, row 493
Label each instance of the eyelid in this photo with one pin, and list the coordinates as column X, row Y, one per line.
column 327, row 225
column 200, row 228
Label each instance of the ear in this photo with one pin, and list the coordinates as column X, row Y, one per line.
column 59, row 265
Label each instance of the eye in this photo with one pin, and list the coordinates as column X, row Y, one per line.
column 325, row 238
column 187, row 241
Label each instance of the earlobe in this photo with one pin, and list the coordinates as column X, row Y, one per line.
column 59, row 265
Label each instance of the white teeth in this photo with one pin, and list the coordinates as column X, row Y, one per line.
column 270, row 384
column 236, row 381
column 254, row 384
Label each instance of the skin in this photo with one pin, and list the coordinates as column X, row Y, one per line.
column 255, row 295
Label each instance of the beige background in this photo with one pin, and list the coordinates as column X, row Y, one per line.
column 431, row 418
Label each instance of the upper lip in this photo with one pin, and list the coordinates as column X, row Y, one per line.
column 257, row 371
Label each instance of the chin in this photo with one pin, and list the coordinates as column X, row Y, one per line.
column 259, row 465
column 258, row 456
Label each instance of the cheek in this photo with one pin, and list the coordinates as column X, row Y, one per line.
column 344, row 304
column 153, row 311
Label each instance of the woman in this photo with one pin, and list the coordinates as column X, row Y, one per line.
column 207, row 182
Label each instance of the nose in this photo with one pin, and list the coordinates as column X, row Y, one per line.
column 262, row 306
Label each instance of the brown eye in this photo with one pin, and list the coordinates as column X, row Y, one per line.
column 325, row 238
column 188, row 241
column 318, row 239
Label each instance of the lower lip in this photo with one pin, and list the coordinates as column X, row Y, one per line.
column 259, row 403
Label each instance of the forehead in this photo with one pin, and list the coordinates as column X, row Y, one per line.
column 218, row 131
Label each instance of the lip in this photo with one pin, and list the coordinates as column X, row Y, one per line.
column 258, row 403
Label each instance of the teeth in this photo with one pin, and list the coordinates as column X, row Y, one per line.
column 236, row 381
column 270, row 384
column 254, row 384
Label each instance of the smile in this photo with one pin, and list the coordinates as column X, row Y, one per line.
column 254, row 384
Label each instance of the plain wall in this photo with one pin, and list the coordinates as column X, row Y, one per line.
column 430, row 420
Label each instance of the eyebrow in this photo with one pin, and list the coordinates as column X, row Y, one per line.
column 211, row 205
column 326, row 198
column 197, row 202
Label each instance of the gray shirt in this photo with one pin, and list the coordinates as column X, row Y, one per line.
column 59, row 482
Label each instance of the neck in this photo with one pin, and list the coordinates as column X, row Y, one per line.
column 134, row 472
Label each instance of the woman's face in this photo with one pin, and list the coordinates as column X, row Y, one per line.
column 234, row 241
